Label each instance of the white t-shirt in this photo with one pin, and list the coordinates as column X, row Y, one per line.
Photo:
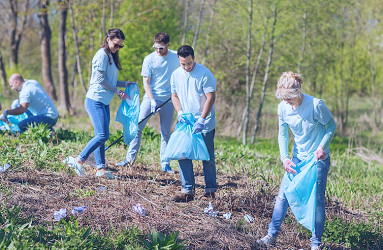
column 39, row 101
column 159, row 69
column 191, row 87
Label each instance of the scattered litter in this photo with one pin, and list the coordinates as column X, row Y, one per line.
column 78, row 210
column 19, row 149
column 139, row 209
column 249, row 218
column 101, row 189
column 3, row 169
column 61, row 214
column 227, row 216
column 210, row 210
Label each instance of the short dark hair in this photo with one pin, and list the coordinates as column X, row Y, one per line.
column 185, row 51
column 161, row 37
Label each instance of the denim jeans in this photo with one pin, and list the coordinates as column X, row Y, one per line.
column 166, row 119
column 209, row 169
column 100, row 115
column 35, row 120
column 281, row 204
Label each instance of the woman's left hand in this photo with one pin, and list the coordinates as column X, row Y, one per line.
column 320, row 154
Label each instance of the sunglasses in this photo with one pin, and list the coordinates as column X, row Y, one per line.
column 115, row 45
column 159, row 48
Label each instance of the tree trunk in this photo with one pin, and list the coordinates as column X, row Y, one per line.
column 111, row 14
column 102, row 25
column 196, row 33
column 16, row 32
column 3, row 76
column 77, row 50
column 269, row 61
column 248, row 55
column 255, row 72
column 63, row 72
column 186, row 21
column 303, row 47
column 208, row 32
column 45, row 44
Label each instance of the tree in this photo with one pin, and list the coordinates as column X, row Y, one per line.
column 45, row 44
column 63, row 72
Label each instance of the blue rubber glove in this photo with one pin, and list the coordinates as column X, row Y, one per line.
column 199, row 125
column 153, row 106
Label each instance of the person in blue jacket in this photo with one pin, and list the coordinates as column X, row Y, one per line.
column 313, row 127
column 103, row 86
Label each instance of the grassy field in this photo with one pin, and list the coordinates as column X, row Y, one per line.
column 38, row 183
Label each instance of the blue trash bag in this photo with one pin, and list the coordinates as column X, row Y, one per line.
column 128, row 112
column 4, row 126
column 183, row 144
column 14, row 121
column 301, row 192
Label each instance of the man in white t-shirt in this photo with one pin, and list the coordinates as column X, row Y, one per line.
column 33, row 98
column 156, row 72
column 193, row 91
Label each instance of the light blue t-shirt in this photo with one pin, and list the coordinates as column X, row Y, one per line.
column 39, row 101
column 307, row 123
column 191, row 87
column 96, row 91
column 159, row 69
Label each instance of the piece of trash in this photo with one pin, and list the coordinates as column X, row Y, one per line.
column 61, row 214
column 78, row 210
column 227, row 216
column 3, row 169
column 210, row 210
column 249, row 218
column 139, row 209
column 101, row 189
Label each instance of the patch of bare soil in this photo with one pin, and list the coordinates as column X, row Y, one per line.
column 110, row 206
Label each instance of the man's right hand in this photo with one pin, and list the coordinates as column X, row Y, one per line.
column 3, row 117
column 179, row 116
column 289, row 165
column 153, row 106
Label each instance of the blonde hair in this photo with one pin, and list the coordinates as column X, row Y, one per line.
column 289, row 85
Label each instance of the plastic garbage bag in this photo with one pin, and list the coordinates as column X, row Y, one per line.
column 78, row 210
column 139, row 209
column 183, row 144
column 210, row 210
column 14, row 121
column 128, row 112
column 59, row 215
column 301, row 192
column 227, row 216
column 4, row 168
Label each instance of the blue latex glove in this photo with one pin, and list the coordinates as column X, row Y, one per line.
column 199, row 125
column 153, row 106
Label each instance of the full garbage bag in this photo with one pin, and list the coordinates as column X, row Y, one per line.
column 128, row 112
column 300, row 192
column 183, row 144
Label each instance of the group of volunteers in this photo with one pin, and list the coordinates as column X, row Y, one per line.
column 191, row 87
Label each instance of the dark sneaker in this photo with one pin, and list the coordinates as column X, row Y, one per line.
column 208, row 196
column 268, row 240
column 182, row 197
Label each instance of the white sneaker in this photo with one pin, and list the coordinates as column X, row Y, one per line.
column 71, row 162
column 314, row 247
column 267, row 241
column 106, row 174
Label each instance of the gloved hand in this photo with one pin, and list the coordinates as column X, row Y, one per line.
column 122, row 95
column 153, row 106
column 3, row 117
column 320, row 154
column 199, row 125
column 289, row 165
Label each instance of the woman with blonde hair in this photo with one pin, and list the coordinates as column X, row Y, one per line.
column 313, row 127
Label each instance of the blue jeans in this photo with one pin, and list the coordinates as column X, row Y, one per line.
column 100, row 115
column 166, row 120
column 209, row 169
column 281, row 204
column 35, row 120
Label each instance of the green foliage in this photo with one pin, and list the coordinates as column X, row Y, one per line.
column 150, row 134
column 160, row 241
column 352, row 235
column 39, row 133
column 73, row 136
column 114, row 137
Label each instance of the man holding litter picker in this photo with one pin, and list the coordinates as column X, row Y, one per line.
column 157, row 69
